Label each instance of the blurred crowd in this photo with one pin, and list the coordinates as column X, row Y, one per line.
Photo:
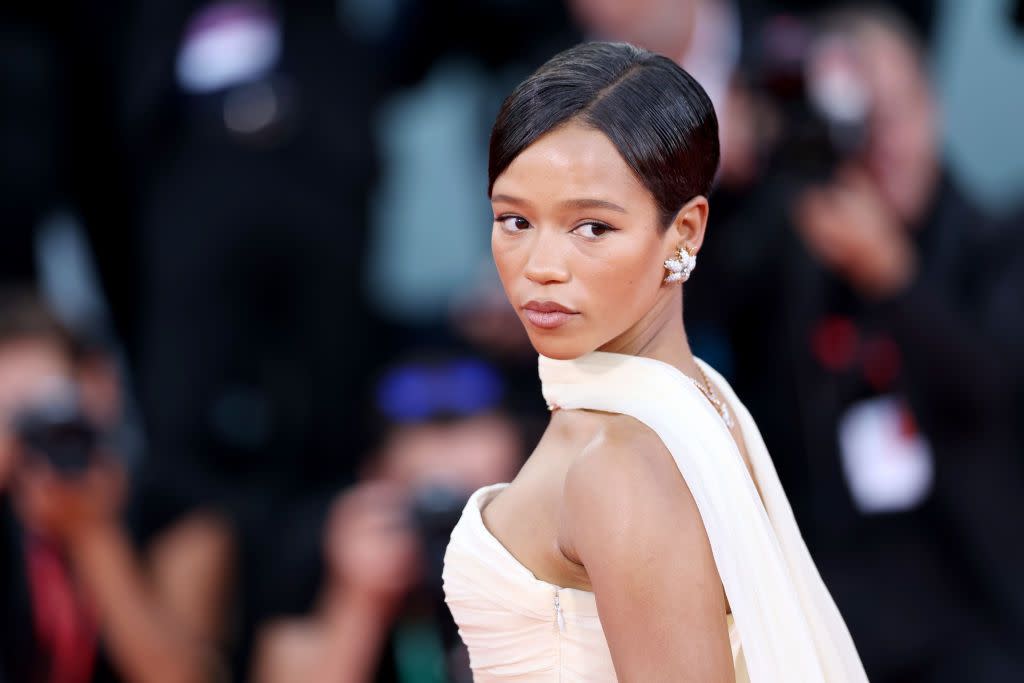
column 254, row 356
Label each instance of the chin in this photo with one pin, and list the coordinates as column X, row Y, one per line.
column 564, row 347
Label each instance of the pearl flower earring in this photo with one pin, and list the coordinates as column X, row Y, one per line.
column 680, row 267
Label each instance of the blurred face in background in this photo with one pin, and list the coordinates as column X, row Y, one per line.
column 661, row 26
column 373, row 545
column 463, row 454
column 901, row 153
column 28, row 368
column 578, row 244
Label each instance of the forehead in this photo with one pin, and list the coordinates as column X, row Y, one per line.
column 892, row 68
column 26, row 366
column 473, row 448
column 26, row 357
column 571, row 161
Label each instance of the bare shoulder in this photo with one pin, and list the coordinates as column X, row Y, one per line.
column 624, row 470
column 634, row 525
column 624, row 485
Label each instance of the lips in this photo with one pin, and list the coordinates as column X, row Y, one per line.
column 547, row 315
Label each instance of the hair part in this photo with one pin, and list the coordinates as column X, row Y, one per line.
column 658, row 117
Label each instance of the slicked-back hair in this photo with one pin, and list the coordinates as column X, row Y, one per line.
column 658, row 117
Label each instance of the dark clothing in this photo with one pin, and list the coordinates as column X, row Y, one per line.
column 933, row 588
column 16, row 643
column 22, row 656
column 151, row 511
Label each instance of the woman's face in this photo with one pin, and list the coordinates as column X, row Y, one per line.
column 577, row 243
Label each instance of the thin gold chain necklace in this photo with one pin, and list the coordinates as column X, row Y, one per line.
column 709, row 393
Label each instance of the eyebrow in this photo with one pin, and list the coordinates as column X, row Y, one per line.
column 569, row 203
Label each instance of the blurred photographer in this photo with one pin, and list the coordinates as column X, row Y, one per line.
column 77, row 602
column 380, row 614
column 872, row 298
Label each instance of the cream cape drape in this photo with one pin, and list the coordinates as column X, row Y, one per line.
column 789, row 626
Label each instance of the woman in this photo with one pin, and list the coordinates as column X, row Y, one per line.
column 647, row 538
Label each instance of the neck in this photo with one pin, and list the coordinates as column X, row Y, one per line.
column 659, row 335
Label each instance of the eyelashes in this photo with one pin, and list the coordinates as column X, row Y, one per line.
column 605, row 229
column 512, row 224
column 591, row 230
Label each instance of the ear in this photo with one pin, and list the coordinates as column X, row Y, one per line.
column 689, row 224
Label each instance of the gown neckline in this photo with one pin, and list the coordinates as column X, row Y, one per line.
column 587, row 597
column 478, row 519
column 783, row 614
column 477, row 510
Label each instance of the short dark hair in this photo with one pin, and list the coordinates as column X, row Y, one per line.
column 658, row 117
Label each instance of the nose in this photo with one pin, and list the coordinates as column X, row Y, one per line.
column 546, row 263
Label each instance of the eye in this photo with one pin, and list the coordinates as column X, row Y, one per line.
column 513, row 223
column 593, row 230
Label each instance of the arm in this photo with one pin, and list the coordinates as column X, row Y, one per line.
column 149, row 640
column 953, row 368
column 344, row 647
column 634, row 525
column 374, row 560
column 962, row 363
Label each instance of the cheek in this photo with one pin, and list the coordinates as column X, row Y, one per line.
column 507, row 259
column 622, row 286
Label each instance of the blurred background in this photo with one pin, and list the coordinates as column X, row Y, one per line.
column 254, row 355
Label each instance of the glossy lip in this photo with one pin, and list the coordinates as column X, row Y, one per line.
column 547, row 315
column 546, row 306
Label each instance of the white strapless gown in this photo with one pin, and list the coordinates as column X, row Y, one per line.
column 784, row 626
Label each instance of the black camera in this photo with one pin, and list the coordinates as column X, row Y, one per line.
column 434, row 512
column 812, row 81
column 58, row 430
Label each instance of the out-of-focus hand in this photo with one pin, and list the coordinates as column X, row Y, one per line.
column 372, row 549
column 66, row 509
column 848, row 226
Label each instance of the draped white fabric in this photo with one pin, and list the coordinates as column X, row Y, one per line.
column 787, row 621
